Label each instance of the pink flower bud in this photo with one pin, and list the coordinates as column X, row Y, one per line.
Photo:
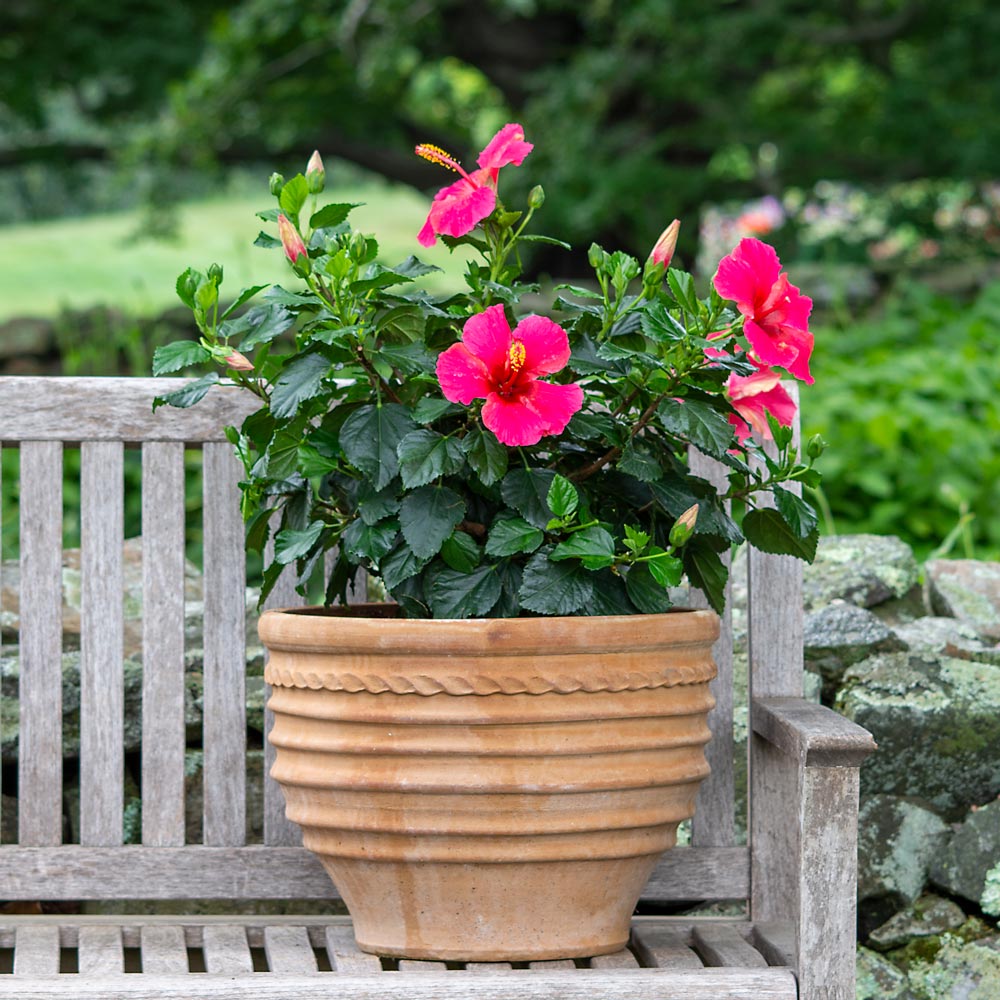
column 663, row 252
column 238, row 362
column 315, row 173
column 684, row 526
column 315, row 162
column 290, row 239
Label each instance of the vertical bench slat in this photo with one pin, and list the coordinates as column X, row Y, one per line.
column 164, row 950
column 714, row 823
column 663, row 948
column 289, row 950
column 225, row 650
column 344, row 953
column 102, row 753
column 163, row 643
column 36, row 951
column 227, row 952
column 277, row 828
column 99, row 950
column 40, row 694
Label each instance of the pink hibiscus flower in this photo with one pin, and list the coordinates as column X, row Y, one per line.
column 753, row 397
column 461, row 206
column 777, row 315
column 503, row 366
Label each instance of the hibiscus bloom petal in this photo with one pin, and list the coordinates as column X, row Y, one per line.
column 507, row 146
column 460, row 207
column 747, row 274
column 513, row 423
column 555, row 404
column 546, row 346
column 488, row 336
column 463, row 376
column 754, row 396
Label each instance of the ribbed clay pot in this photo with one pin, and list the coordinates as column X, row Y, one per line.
column 489, row 790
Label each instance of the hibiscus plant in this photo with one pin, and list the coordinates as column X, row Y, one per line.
column 479, row 462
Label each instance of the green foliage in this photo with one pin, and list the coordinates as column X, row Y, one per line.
column 908, row 402
column 460, row 512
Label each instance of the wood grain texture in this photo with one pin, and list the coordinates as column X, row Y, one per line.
column 47, row 408
column 617, row 960
column 664, row 948
column 345, row 955
column 288, row 951
column 827, row 891
column 420, row 966
column 266, row 872
column 102, row 694
column 226, row 950
column 164, row 951
column 225, row 650
column 40, row 691
column 99, row 951
column 815, row 735
column 776, row 942
column 723, row 945
column 625, row 984
column 37, row 951
column 713, row 824
column 163, row 643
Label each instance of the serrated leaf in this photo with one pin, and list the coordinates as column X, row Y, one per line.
column 312, row 462
column 300, row 380
column 554, row 588
column 696, row 422
column 593, row 545
column 644, row 592
column 370, row 436
column 411, row 359
column 180, row 354
column 428, row 516
column 798, row 513
column 399, row 565
column 610, row 596
column 659, row 324
column 282, row 297
column 290, row 544
column 639, row 462
column 413, row 267
column 187, row 284
column 767, row 530
column 429, row 409
column 455, row 594
column 682, row 286
column 562, row 497
column 425, row 455
column 267, row 241
column 635, row 540
column 369, row 541
column 582, row 293
column 331, row 215
column 487, row 456
column 706, row 571
column 373, row 506
column 549, row 240
column 592, row 426
column 461, row 552
column 293, row 196
column 189, row 394
column 512, row 535
column 245, row 296
column 667, row 570
column 526, row 490
column 264, row 323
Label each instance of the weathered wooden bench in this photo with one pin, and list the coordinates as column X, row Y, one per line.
column 797, row 875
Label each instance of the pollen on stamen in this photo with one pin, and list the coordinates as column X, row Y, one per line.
column 437, row 155
column 516, row 355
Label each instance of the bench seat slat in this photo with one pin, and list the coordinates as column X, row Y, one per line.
column 664, row 948
column 164, row 950
column 36, row 951
column 226, row 950
column 724, row 946
column 99, row 950
column 345, row 955
column 289, row 951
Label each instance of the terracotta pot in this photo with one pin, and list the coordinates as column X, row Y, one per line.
column 489, row 790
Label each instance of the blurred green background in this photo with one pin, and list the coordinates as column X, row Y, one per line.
column 860, row 137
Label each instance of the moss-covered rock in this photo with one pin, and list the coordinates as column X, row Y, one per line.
column 957, row 970
column 970, row 863
column 967, row 589
column 929, row 916
column 864, row 570
column 879, row 979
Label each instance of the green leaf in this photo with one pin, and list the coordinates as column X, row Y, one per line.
column 644, row 592
column 682, row 285
column 399, row 565
column 581, row 293
column 411, row 359
column 300, row 380
column 660, row 325
column 267, row 241
column 189, row 394
column 370, row 437
column 180, row 354
column 369, row 541
column 428, row 516
column 455, row 594
column 290, row 545
column 413, row 267
column 187, row 284
column 667, row 570
column 798, row 514
column 767, row 530
column 562, row 497
column 282, row 297
column 526, row 490
column 592, row 426
column 425, row 455
column 706, row 571
column 293, row 196
column 330, row 215
column 312, row 462
column 698, row 423
column 264, row 324
column 429, row 409
column 635, row 540
column 592, row 545
column 245, row 296
column 282, row 455
column 639, row 462
column 511, row 535
column 486, row 455
column 610, row 596
column 373, row 506
column 558, row 588
column 550, row 240
column 461, row 552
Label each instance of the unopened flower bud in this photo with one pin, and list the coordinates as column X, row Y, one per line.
column 358, row 246
column 291, row 241
column 595, row 255
column 215, row 273
column 683, row 527
column 315, row 173
column 663, row 252
column 536, row 196
column 276, row 183
column 816, row 446
column 238, row 362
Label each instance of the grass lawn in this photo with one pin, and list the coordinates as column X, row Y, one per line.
column 76, row 263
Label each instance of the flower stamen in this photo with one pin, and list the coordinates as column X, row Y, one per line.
column 516, row 356
column 435, row 154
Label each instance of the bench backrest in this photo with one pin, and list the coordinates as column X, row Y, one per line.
column 106, row 418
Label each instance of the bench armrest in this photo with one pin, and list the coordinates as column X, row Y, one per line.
column 814, row 734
